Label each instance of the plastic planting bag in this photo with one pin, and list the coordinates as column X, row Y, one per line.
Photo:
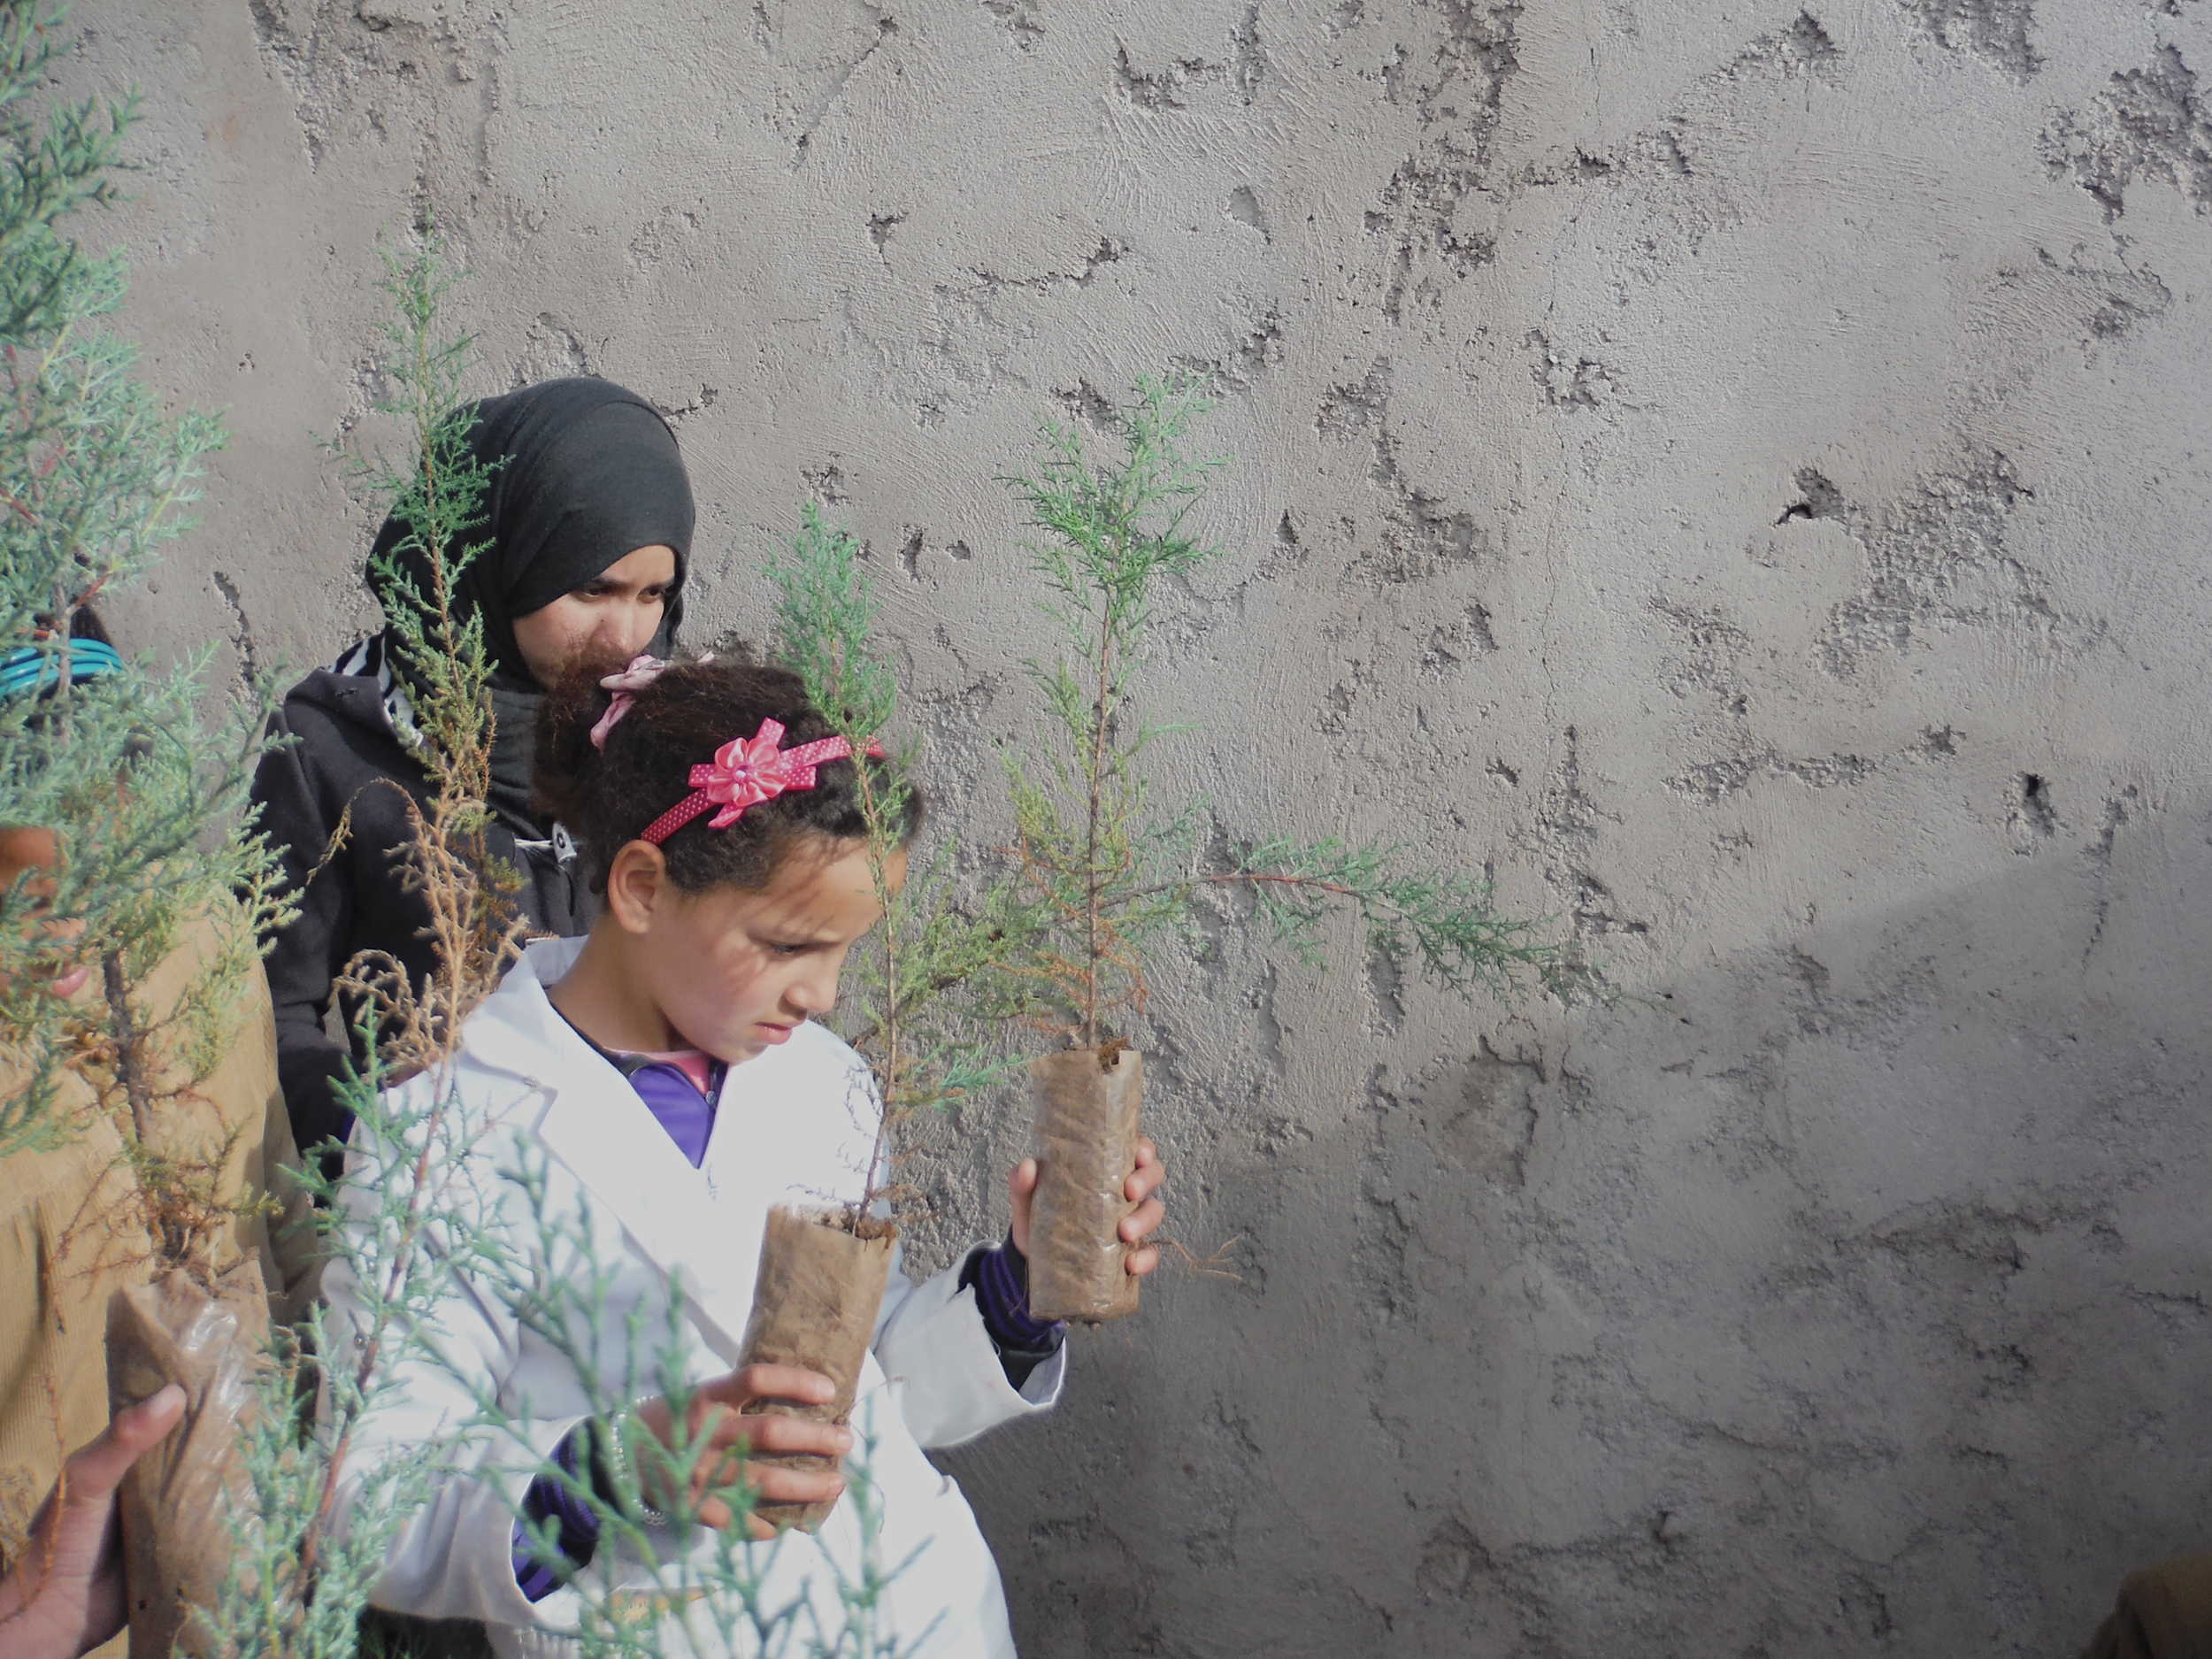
column 176, row 1539
column 814, row 1306
column 1089, row 1103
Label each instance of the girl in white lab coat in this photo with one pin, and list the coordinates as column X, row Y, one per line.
column 667, row 1072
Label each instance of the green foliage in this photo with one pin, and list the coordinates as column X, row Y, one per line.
column 1097, row 874
column 1114, row 531
column 1445, row 920
column 92, row 477
column 300, row 1580
column 54, row 165
column 553, row 1280
column 1104, row 875
column 1102, row 871
column 926, row 1048
column 430, row 1198
column 438, row 495
column 826, row 618
column 427, row 1201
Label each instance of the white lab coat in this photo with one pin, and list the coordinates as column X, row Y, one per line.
column 791, row 1126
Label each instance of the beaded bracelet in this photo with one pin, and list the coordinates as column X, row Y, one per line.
column 610, row 1458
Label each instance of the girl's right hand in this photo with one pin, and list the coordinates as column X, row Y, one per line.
column 718, row 1408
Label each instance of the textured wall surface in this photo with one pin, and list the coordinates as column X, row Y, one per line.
column 1736, row 468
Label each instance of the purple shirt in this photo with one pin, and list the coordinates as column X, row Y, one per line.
column 682, row 1090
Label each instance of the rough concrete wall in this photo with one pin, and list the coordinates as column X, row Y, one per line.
column 1736, row 471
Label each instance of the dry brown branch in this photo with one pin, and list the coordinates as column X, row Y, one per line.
column 129, row 1052
column 476, row 929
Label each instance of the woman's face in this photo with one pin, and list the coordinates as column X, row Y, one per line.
column 610, row 619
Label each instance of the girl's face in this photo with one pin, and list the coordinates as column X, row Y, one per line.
column 610, row 619
column 733, row 972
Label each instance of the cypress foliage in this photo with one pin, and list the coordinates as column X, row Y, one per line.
column 1098, row 876
column 122, row 770
column 432, row 1194
column 926, row 996
column 1105, row 874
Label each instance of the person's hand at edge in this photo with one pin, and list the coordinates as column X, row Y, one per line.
column 65, row 1595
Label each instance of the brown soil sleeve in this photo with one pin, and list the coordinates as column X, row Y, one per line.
column 815, row 1306
column 176, row 1541
column 1084, row 1138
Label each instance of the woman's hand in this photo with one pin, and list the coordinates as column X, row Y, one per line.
column 65, row 1596
column 718, row 1408
column 1140, row 1224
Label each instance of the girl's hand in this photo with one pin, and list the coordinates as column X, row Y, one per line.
column 718, row 1407
column 1143, row 1182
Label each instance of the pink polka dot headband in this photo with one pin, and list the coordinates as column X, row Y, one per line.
column 745, row 771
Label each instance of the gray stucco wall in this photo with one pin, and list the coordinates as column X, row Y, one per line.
column 1739, row 471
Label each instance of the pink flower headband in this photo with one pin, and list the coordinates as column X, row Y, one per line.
column 744, row 772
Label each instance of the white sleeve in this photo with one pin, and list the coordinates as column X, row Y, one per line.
column 453, row 1558
column 929, row 1339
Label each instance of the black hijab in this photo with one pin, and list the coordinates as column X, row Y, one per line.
column 584, row 474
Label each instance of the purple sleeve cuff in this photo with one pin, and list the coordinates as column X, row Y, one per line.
column 1002, row 1295
column 555, row 1497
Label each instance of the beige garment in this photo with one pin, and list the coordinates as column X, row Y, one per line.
column 2164, row 1612
column 70, row 1234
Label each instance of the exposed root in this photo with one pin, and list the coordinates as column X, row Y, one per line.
column 1207, row 1267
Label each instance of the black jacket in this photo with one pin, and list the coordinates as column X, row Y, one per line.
column 346, row 752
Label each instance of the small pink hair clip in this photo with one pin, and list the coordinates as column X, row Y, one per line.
column 747, row 770
column 641, row 672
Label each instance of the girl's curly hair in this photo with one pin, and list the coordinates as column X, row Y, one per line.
column 606, row 798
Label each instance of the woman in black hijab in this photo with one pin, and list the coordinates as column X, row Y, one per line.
column 587, row 522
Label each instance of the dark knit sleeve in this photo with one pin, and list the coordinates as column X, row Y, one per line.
column 999, row 1275
column 557, row 1497
column 307, row 953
